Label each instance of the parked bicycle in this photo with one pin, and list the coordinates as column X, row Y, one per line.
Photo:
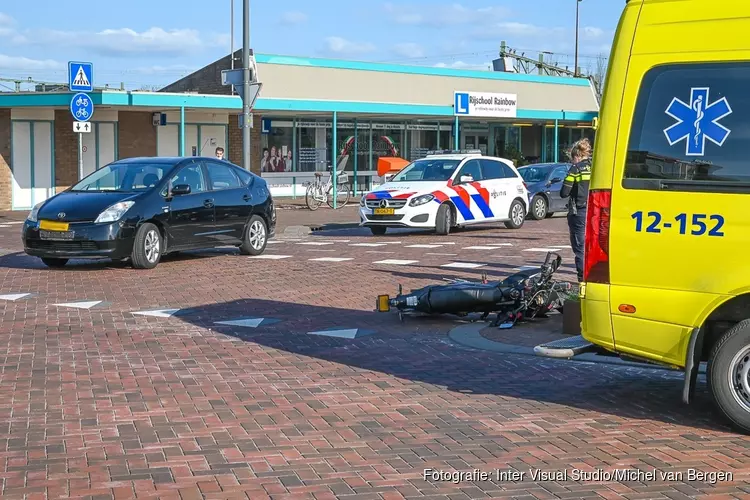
column 319, row 192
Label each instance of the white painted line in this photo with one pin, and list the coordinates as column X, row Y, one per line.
column 320, row 250
column 316, row 243
column 347, row 333
column 367, row 244
column 378, row 251
column 270, row 256
column 392, row 242
column 446, row 243
column 247, row 322
column 396, row 262
column 275, row 242
column 496, row 245
column 463, row 265
column 331, row 259
column 526, row 268
column 158, row 313
column 6, row 225
column 14, row 296
column 443, row 254
column 422, row 246
column 13, row 222
column 564, row 246
column 479, row 248
column 555, row 249
column 80, row 305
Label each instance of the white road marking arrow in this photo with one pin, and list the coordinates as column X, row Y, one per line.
column 80, row 305
column 14, row 296
column 158, row 313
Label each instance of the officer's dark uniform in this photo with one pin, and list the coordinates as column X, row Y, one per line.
column 576, row 186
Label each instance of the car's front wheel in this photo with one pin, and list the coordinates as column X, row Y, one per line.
column 54, row 262
column 516, row 215
column 147, row 247
column 444, row 220
column 538, row 208
column 728, row 375
column 256, row 237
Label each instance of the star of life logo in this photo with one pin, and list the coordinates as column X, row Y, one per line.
column 697, row 121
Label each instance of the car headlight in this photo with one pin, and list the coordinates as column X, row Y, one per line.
column 34, row 214
column 115, row 212
column 421, row 200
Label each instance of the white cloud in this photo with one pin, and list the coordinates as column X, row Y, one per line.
column 408, row 50
column 124, row 42
column 294, row 17
column 443, row 15
column 173, row 68
column 464, row 65
column 24, row 63
column 340, row 45
column 6, row 20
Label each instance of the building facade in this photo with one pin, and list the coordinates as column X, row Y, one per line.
column 309, row 112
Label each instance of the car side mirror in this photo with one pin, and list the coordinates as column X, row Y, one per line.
column 180, row 190
column 465, row 178
column 555, row 180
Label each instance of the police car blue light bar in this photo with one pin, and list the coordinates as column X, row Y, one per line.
column 455, row 152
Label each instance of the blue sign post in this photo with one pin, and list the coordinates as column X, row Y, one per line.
column 80, row 76
column 81, row 107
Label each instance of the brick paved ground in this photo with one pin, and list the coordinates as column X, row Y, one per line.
column 105, row 403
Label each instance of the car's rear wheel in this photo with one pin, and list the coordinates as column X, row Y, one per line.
column 538, row 208
column 516, row 215
column 54, row 262
column 256, row 237
column 728, row 375
column 444, row 220
column 147, row 247
column 378, row 230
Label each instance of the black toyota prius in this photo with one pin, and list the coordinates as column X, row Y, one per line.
column 140, row 209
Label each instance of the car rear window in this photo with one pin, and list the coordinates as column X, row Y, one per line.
column 690, row 129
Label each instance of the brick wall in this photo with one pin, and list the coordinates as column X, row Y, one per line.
column 5, row 173
column 66, row 151
column 136, row 134
column 234, row 149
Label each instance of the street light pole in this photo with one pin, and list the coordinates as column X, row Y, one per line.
column 575, row 72
column 231, row 32
column 246, row 85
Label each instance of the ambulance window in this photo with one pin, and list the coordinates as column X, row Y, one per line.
column 690, row 129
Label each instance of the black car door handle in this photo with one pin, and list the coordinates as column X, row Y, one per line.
column 208, row 203
column 247, row 197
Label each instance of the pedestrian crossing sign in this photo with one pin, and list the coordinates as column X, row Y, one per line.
column 80, row 76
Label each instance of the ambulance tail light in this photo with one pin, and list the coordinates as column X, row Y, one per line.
column 596, row 248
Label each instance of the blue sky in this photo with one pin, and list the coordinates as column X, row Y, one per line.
column 151, row 43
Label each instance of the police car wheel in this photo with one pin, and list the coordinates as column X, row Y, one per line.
column 443, row 219
column 728, row 375
column 516, row 215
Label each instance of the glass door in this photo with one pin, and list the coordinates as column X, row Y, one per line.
column 476, row 141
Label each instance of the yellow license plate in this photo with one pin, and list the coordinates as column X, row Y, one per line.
column 50, row 225
column 385, row 211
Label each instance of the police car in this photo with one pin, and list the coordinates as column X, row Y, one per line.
column 448, row 189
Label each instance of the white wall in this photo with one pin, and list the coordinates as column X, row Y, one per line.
column 211, row 136
column 32, row 179
column 104, row 133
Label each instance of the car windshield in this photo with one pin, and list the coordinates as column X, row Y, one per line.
column 124, row 177
column 428, row 169
column 532, row 174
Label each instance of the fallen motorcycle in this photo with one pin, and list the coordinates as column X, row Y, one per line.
column 524, row 295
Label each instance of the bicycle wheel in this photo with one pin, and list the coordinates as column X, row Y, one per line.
column 312, row 202
column 342, row 195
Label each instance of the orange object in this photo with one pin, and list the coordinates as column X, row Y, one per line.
column 626, row 308
column 390, row 165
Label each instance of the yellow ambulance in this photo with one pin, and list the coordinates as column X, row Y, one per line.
column 667, row 253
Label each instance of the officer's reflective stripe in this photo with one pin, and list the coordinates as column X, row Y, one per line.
column 578, row 177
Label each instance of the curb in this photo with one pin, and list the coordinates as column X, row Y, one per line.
column 469, row 336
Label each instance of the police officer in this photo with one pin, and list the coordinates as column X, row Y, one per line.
column 576, row 187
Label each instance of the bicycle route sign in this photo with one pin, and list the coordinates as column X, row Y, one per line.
column 81, row 107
